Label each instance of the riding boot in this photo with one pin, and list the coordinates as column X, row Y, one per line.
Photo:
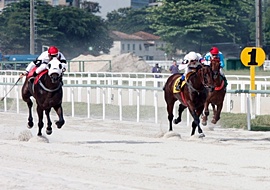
column 178, row 87
column 61, row 81
column 225, row 80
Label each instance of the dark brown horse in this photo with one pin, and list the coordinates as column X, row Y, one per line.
column 216, row 97
column 192, row 95
column 46, row 88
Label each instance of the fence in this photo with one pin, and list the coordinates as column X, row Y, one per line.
column 95, row 95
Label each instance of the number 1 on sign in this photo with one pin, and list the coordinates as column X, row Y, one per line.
column 252, row 57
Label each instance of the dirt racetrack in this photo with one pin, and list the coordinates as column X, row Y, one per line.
column 110, row 155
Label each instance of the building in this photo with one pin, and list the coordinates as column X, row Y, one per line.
column 145, row 45
column 106, row 6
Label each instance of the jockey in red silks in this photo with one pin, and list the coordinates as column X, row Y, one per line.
column 42, row 61
column 215, row 53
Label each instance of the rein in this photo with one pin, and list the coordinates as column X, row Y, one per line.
column 47, row 89
column 194, row 89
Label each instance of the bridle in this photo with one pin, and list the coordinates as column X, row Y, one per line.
column 204, row 80
column 214, row 68
column 204, row 75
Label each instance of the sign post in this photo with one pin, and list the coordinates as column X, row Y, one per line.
column 252, row 57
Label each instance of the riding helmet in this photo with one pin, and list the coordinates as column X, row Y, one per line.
column 214, row 50
column 53, row 50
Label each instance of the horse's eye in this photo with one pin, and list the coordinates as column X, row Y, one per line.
column 60, row 66
column 49, row 65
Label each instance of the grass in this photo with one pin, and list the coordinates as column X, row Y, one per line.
column 258, row 71
column 231, row 120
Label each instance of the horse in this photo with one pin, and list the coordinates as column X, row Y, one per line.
column 46, row 88
column 216, row 97
column 192, row 95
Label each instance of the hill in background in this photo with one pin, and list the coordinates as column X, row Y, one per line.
column 107, row 63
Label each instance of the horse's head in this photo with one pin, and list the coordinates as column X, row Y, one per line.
column 206, row 76
column 55, row 70
column 215, row 66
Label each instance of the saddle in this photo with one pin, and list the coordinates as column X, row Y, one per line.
column 183, row 83
column 34, row 80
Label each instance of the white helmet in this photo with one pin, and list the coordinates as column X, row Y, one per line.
column 192, row 56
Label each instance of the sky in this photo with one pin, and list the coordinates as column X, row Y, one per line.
column 110, row 5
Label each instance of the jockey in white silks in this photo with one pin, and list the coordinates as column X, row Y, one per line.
column 192, row 61
column 42, row 61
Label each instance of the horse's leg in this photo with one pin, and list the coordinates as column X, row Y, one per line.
column 59, row 111
column 206, row 113
column 49, row 122
column 180, row 111
column 199, row 112
column 194, row 125
column 217, row 114
column 214, row 109
column 196, row 122
column 40, row 120
column 30, row 117
column 26, row 97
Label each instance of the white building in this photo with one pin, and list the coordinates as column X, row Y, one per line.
column 145, row 45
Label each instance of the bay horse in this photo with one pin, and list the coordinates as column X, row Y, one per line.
column 216, row 97
column 46, row 88
column 192, row 95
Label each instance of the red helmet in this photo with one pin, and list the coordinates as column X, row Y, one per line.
column 214, row 50
column 53, row 50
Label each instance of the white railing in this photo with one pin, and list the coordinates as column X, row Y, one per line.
column 121, row 90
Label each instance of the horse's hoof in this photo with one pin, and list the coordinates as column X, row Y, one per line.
column 30, row 125
column 204, row 123
column 175, row 121
column 59, row 124
column 49, row 132
column 201, row 135
column 214, row 121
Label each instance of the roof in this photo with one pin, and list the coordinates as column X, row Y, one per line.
column 123, row 36
column 116, row 35
column 146, row 36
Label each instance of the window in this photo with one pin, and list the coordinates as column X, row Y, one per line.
column 140, row 47
column 128, row 47
column 123, row 47
column 133, row 47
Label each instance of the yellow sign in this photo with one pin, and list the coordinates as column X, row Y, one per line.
column 252, row 56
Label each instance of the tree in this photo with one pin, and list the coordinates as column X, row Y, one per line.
column 196, row 24
column 14, row 28
column 71, row 29
column 129, row 20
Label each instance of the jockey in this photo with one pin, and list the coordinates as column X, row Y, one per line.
column 192, row 59
column 43, row 59
column 215, row 53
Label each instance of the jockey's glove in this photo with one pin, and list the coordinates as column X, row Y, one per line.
column 23, row 74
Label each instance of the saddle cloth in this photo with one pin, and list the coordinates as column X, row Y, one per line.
column 183, row 83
